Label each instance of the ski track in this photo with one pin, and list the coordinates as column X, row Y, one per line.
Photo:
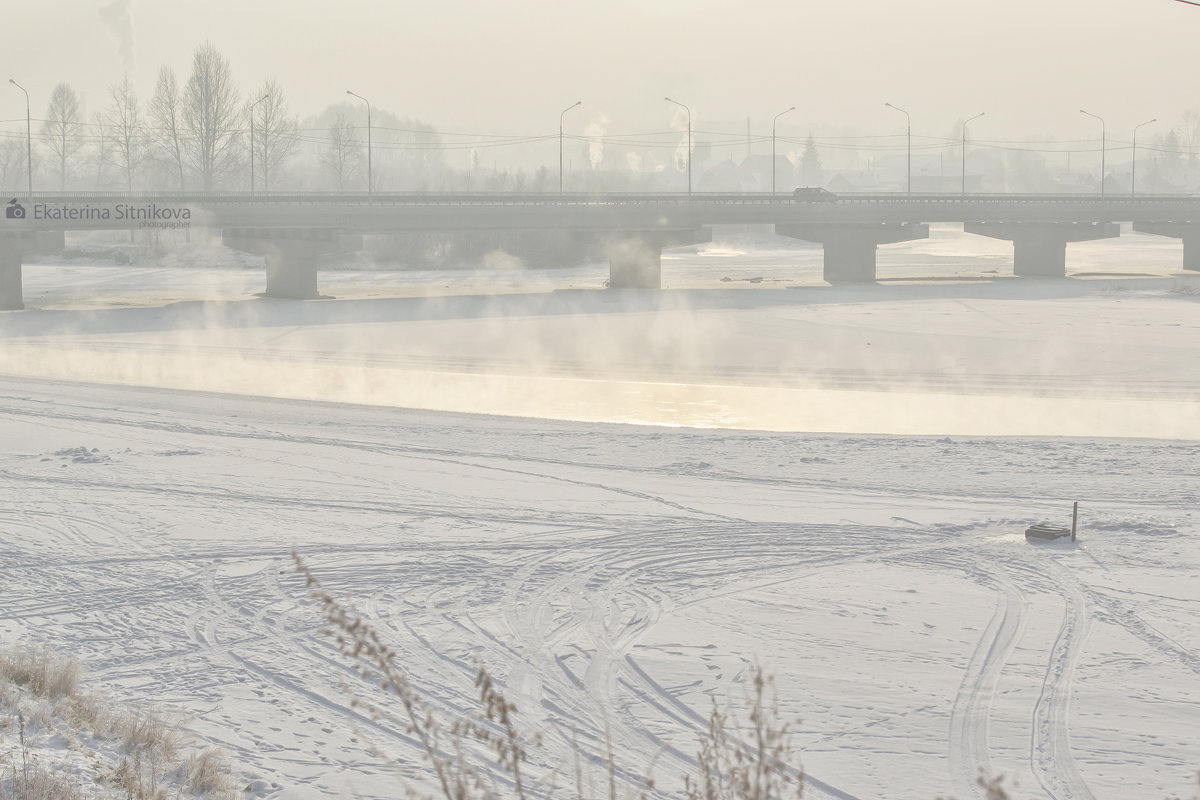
column 559, row 623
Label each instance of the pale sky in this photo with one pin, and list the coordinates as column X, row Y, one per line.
column 512, row 66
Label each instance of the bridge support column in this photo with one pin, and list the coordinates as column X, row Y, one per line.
column 11, row 294
column 13, row 248
column 49, row 243
column 1040, row 248
column 635, row 258
column 1188, row 231
column 291, row 255
column 850, row 246
column 291, row 270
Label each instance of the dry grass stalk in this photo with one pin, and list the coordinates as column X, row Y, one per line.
column 42, row 672
column 375, row 661
column 40, row 685
column 729, row 769
column 992, row 785
column 26, row 778
column 206, row 774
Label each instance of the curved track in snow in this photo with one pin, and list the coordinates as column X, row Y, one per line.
column 610, row 578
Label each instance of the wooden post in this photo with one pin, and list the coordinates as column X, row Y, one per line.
column 1074, row 519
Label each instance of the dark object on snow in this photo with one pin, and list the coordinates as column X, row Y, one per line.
column 1049, row 533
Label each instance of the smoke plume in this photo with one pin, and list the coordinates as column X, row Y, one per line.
column 118, row 18
column 595, row 133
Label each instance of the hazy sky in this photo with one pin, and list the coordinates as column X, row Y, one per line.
column 493, row 66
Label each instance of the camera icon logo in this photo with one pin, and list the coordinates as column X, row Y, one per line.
column 15, row 210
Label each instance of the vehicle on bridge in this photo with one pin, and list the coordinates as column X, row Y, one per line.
column 813, row 194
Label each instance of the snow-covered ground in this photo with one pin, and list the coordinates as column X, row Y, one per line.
column 167, row 439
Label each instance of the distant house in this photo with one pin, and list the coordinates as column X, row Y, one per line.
column 937, row 184
column 752, row 174
column 757, row 173
column 1117, row 183
column 1076, row 183
column 850, row 182
column 724, row 176
column 929, row 172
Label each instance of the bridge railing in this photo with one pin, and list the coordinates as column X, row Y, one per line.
column 610, row 198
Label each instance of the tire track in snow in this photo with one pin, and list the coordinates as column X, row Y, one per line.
column 476, row 460
column 613, row 627
column 1050, row 755
column 1127, row 617
column 969, row 716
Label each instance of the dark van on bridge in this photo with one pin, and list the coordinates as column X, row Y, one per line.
column 813, row 194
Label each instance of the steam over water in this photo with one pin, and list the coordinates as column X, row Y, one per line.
column 748, row 338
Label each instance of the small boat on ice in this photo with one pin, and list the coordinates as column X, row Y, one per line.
column 1050, row 533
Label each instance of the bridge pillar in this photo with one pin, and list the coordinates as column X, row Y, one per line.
column 11, row 294
column 1188, row 231
column 1040, row 248
column 49, row 243
column 850, row 246
column 291, row 255
column 635, row 258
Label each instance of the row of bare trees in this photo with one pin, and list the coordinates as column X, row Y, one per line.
column 196, row 129
column 200, row 133
column 189, row 136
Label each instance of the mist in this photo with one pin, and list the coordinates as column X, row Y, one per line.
column 480, row 69
column 619, row 458
column 746, row 336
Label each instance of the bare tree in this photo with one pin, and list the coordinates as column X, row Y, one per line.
column 274, row 129
column 63, row 128
column 102, row 151
column 341, row 154
column 210, row 115
column 12, row 164
column 1190, row 136
column 167, row 120
column 123, row 129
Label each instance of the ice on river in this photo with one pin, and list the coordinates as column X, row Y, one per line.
column 618, row 576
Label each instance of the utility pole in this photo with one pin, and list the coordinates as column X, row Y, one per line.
column 560, row 143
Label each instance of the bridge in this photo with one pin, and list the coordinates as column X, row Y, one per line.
column 292, row 230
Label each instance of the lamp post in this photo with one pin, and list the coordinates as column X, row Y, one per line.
column 1133, row 166
column 368, row 102
column 773, row 121
column 689, row 141
column 908, row 122
column 252, row 105
column 560, row 142
column 964, row 151
column 1103, row 147
column 28, row 139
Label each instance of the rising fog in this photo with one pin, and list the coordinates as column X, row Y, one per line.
column 482, row 67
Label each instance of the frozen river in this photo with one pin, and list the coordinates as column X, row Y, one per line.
column 831, row 481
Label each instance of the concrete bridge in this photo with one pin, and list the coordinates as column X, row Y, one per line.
column 292, row 231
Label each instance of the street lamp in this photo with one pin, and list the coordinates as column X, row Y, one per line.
column 252, row 105
column 560, row 140
column 1133, row 167
column 28, row 139
column 773, row 121
column 964, row 151
column 368, row 102
column 908, row 121
column 1102, row 147
column 689, row 141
